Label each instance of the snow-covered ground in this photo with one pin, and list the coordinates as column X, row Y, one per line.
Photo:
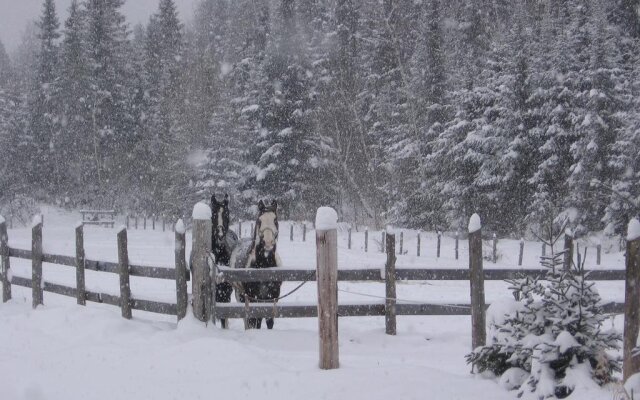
column 64, row 351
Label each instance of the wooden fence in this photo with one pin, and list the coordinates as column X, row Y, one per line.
column 205, row 308
column 123, row 268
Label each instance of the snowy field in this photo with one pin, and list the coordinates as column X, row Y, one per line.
column 65, row 351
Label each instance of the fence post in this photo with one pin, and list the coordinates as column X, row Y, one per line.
column 304, row 231
column 36, row 261
column 349, row 240
column 80, row 287
column 457, row 244
column 123, row 266
column 544, row 249
column 201, row 278
column 439, row 239
column 390, row 282
column 181, row 271
column 366, row 240
column 239, row 229
column 521, row 252
column 568, row 250
column 401, row 241
column 418, row 246
column 327, row 275
column 598, row 254
column 6, row 265
column 136, row 222
column 153, row 222
column 631, row 362
column 127, row 221
column 478, row 330
column 164, row 223
column 291, row 232
column 495, row 248
column 144, row 223
column 383, row 245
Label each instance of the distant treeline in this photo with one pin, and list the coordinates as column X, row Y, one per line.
column 414, row 113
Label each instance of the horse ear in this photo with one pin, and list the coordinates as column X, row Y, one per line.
column 274, row 204
column 226, row 199
column 261, row 206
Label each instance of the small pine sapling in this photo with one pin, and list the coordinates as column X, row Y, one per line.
column 552, row 333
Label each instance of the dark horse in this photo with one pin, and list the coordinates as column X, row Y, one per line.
column 259, row 253
column 223, row 242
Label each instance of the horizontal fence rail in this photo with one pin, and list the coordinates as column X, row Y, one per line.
column 137, row 304
column 100, row 266
column 226, row 274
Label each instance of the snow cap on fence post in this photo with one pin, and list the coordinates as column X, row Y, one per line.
column 633, row 231
column 180, row 227
column 326, row 219
column 201, row 211
column 37, row 220
column 474, row 223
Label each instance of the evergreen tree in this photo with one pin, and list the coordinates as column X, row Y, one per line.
column 108, row 98
column 44, row 123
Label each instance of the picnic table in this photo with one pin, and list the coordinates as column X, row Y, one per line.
column 99, row 217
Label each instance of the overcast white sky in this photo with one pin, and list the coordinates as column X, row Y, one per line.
column 14, row 15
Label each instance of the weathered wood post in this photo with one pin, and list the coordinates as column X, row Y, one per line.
column 80, row 261
column 401, row 241
column 598, row 254
column 327, row 275
column 291, row 234
column 631, row 362
column 521, row 252
column 494, row 250
column 568, row 250
column 304, row 231
column 457, row 244
column 349, row 240
column 478, row 329
column 390, row 283
column 181, row 270
column 418, row 246
column 123, row 267
column 439, row 240
column 36, row 261
column 201, row 279
column 366, row 240
column 6, row 264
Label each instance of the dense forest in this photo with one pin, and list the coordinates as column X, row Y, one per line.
column 408, row 112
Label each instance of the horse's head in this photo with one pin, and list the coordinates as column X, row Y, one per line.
column 265, row 236
column 220, row 217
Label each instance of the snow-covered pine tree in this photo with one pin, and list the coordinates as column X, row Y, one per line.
column 111, row 133
column 160, row 152
column 44, row 123
column 597, row 130
column 287, row 161
column 76, row 142
column 551, row 337
column 555, row 105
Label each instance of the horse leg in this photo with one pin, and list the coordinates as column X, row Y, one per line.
column 269, row 323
